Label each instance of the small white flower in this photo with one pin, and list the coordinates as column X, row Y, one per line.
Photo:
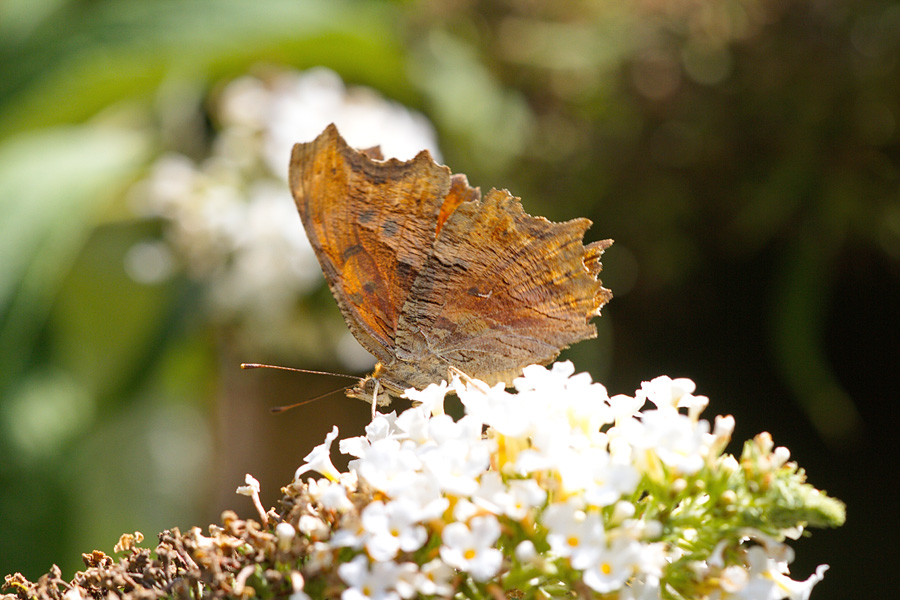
column 470, row 548
column 572, row 533
column 434, row 579
column 652, row 529
column 800, row 590
column 651, row 559
column 334, row 496
column 609, row 482
column 625, row 407
column 319, row 459
column 252, row 487
column 538, row 377
column 641, row 587
column 351, row 534
column 252, row 490
column 514, row 498
column 666, row 392
column 780, row 456
column 525, row 495
column 285, row 533
column 733, row 579
column 413, row 424
column 508, row 414
column 392, row 527
column 378, row 581
column 431, row 398
column 321, row 556
column 676, row 439
column 526, row 552
column 390, row 466
column 621, row 511
column 761, row 582
column 458, row 456
column 297, row 584
column 383, row 426
column 313, row 527
column 355, row 446
column 611, row 567
column 724, row 427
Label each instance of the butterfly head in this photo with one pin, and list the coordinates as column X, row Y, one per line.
column 373, row 388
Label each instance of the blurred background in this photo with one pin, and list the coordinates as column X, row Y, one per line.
column 744, row 154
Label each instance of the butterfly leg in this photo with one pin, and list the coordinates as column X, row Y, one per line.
column 375, row 398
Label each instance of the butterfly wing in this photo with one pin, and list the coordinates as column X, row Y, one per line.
column 501, row 290
column 371, row 225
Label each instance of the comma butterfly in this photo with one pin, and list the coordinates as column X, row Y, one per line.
column 429, row 275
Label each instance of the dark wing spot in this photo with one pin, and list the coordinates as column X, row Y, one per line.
column 460, row 263
column 389, row 228
column 366, row 216
column 351, row 250
column 369, row 287
column 444, row 323
column 404, row 270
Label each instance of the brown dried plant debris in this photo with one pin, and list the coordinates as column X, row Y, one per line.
column 239, row 558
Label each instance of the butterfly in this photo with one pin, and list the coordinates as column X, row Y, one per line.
column 429, row 275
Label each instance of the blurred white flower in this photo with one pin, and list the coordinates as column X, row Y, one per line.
column 230, row 219
column 471, row 547
column 766, row 579
column 391, row 467
column 377, row 581
column 515, row 498
column 459, row 457
column 149, row 262
column 314, row 527
column 319, row 459
column 393, row 527
column 431, row 398
column 252, row 487
column 526, row 552
column 610, row 567
column 285, row 534
column 434, row 579
column 678, row 441
column 252, row 490
column 334, row 497
column 573, row 533
column 667, row 393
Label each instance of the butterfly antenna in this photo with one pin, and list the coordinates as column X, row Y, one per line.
column 280, row 368
column 281, row 409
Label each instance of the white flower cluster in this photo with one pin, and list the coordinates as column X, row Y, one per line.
column 230, row 219
column 550, row 488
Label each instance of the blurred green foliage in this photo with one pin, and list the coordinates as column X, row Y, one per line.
column 743, row 153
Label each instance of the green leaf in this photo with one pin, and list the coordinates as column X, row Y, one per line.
column 81, row 62
column 53, row 186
